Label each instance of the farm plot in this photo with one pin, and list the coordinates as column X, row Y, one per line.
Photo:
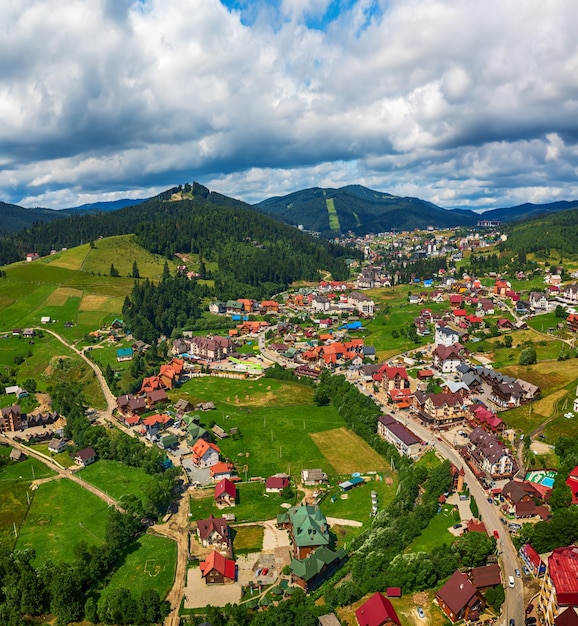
column 62, row 514
column 149, row 564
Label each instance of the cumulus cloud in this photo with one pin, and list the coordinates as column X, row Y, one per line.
column 462, row 103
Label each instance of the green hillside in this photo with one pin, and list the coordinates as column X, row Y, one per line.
column 556, row 231
column 360, row 210
column 75, row 286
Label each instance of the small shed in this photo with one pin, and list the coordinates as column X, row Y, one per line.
column 355, row 481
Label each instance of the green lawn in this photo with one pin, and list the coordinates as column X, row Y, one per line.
column 61, row 515
column 436, row 533
column 357, row 505
column 253, row 504
column 48, row 362
column 116, row 479
column 150, row 563
column 247, row 539
column 63, row 458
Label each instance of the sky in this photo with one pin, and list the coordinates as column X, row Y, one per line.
column 460, row 102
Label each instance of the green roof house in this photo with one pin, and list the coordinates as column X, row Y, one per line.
column 309, row 529
column 310, row 572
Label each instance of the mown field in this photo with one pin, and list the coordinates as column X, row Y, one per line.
column 75, row 286
column 62, row 514
column 436, row 533
column 150, row 563
column 547, row 348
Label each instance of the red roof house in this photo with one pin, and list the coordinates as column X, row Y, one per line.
column 377, row 611
column 225, row 493
column 217, row 569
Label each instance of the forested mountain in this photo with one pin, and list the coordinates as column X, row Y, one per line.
column 255, row 254
column 101, row 207
column 528, row 210
column 14, row 218
column 557, row 231
column 361, row 210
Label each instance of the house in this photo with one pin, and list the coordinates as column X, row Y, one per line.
column 17, row 455
column 85, row 457
column 316, row 568
column 485, row 577
column 276, row 483
column 460, row 599
column 572, row 482
column 538, row 301
column 311, row 477
column 182, row 406
column 222, row 470
column 56, row 446
column 532, row 560
column 447, row 358
column 572, row 322
column 445, row 336
column 308, row 529
column 213, row 532
column 439, row 410
column 225, row 493
column 404, row 440
column 559, row 587
column 377, row 611
column 490, row 455
column 205, row 454
column 217, row 569
column 363, row 303
column 392, row 377
column 168, row 442
column 158, row 396
column 32, row 256
column 11, row 418
column 124, row 354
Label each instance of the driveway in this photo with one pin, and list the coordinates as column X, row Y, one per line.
column 196, row 474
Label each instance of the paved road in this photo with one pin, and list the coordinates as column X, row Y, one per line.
column 514, row 604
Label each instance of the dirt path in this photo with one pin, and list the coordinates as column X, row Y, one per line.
column 178, row 530
column 63, row 473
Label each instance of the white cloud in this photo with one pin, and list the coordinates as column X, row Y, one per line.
column 98, row 96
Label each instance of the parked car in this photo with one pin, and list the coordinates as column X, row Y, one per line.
column 420, row 612
column 512, row 622
column 529, row 608
column 258, row 572
column 517, row 572
column 264, row 571
column 511, row 584
column 456, row 526
column 530, row 621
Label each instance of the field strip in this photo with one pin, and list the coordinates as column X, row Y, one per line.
column 348, row 453
column 333, row 219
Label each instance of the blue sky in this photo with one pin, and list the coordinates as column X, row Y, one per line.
column 460, row 102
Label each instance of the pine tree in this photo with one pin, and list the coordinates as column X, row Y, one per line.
column 113, row 271
column 135, row 271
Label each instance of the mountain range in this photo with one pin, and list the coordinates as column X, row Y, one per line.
column 329, row 211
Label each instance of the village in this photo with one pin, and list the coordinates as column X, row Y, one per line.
column 442, row 392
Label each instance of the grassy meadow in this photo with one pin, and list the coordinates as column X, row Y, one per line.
column 117, row 479
column 275, row 420
column 62, row 514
